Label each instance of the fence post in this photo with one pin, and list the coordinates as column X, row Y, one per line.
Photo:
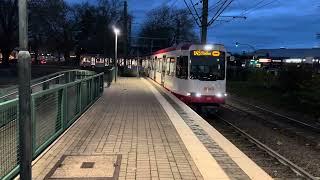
column 65, row 107
column 102, row 84
column 34, row 130
column 92, row 89
column 80, row 96
column 67, row 77
column 45, row 85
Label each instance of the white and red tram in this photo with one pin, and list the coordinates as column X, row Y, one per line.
column 196, row 74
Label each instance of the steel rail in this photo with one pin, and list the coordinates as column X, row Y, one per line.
column 317, row 129
column 270, row 151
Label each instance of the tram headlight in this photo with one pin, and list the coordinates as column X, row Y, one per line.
column 219, row 95
column 208, row 47
column 225, row 94
column 198, row 94
column 188, row 94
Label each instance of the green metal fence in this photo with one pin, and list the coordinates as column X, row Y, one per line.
column 47, row 82
column 53, row 111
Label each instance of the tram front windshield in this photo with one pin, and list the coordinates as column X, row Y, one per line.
column 207, row 67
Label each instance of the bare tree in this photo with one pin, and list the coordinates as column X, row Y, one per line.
column 8, row 28
column 167, row 26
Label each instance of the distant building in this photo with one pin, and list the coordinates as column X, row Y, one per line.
column 304, row 55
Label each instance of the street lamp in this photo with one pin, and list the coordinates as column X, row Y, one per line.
column 116, row 32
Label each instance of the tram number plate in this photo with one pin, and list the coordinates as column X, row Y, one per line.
column 208, row 88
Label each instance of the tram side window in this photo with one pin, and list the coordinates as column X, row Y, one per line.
column 168, row 66
column 172, row 68
column 182, row 67
column 159, row 65
column 155, row 64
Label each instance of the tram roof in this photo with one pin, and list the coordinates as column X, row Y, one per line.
column 181, row 46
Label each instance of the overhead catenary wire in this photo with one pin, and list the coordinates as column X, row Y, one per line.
column 215, row 5
column 196, row 20
column 195, row 10
column 247, row 11
column 258, row 5
column 219, row 13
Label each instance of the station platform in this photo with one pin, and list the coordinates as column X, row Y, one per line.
column 139, row 130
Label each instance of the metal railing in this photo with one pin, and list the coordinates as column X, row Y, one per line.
column 46, row 82
column 54, row 109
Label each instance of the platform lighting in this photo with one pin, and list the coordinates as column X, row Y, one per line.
column 116, row 32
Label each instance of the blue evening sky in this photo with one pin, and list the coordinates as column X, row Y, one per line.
column 283, row 23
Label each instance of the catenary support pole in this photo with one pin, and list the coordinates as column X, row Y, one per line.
column 204, row 21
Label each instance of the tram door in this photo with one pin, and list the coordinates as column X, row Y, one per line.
column 163, row 69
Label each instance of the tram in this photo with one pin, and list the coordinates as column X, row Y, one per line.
column 194, row 73
column 94, row 61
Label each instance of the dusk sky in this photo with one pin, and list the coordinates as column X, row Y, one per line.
column 283, row 23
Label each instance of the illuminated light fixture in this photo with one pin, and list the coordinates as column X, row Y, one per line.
column 116, row 30
column 293, row 60
column 208, row 47
column 188, row 94
column 225, row 94
column 264, row 60
column 198, row 94
column 215, row 53
column 219, row 95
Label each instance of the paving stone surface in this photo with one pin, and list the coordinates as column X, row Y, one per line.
column 224, row 160
column 126, row 120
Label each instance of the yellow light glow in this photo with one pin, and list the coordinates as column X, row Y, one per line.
column 215, row 53
column 206, row 53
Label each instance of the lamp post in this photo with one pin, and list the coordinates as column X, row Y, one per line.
column 24, row 66
column 116, row 32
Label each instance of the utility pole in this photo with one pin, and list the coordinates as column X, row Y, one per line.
column 25, row 126
column 204, row 21
column 125, row 31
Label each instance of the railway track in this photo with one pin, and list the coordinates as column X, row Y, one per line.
column 308, row 132
column 272, row 162
column 253, row 109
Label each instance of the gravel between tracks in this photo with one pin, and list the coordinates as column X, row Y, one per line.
column 288, row 145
